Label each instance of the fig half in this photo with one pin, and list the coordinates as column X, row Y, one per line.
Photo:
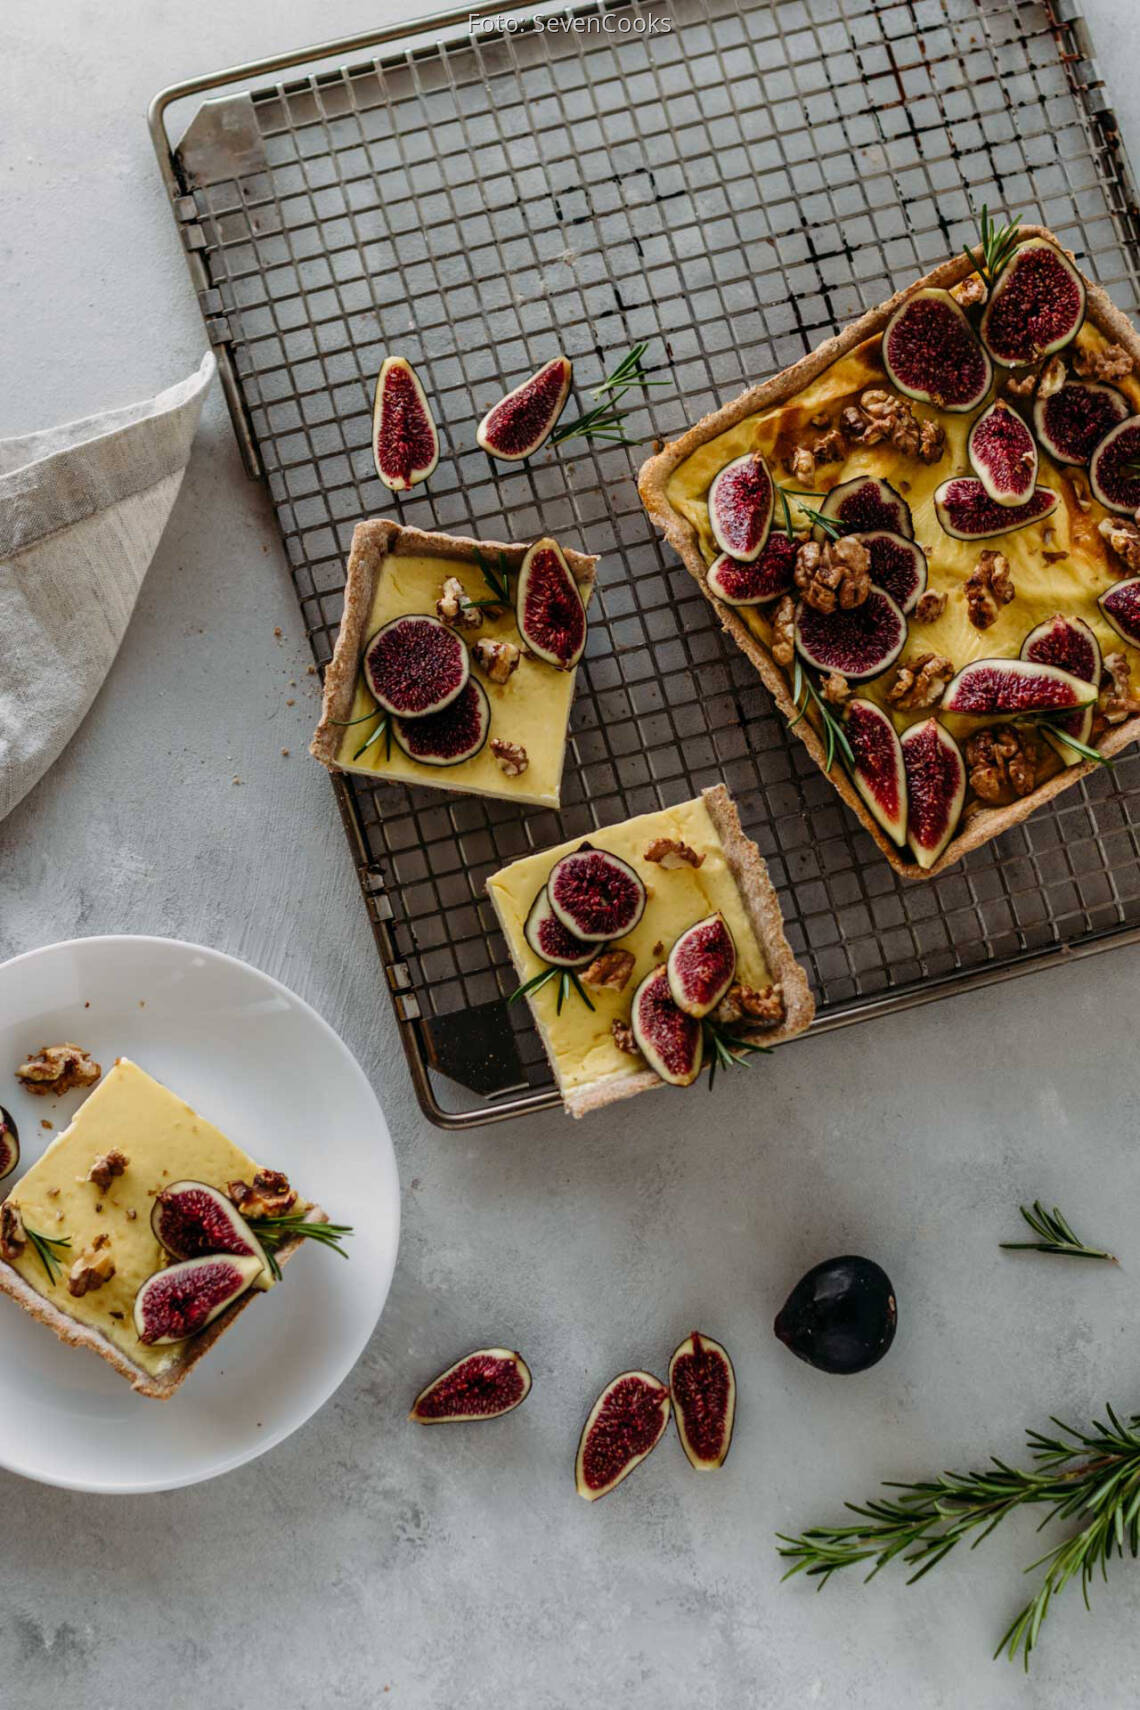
column 523, row 421
column 702, row 1385
column 9, row 1143
column 625, row 1424
column 741, row 501
column 935, row 788
column 930, row 353
column 405, row 443
column 1003, row 455
column 414, row 665
column 548, row 606
column 879, row 774
column 449, row 737
column 1036, row 306
column 482, row 1385
column 191, row 1219
column 898, row 566
column 701, row 966
column 1069, row 643
column 1121, row 606
column 755, row 584
column 182, row 1299
column 988, row 686
column 548, row 938
column 864, row 505
column 967, row 512
column 596, row 895
column 1072, row 421
column 671, row 1042
column 1114, row 470
column 859, row 643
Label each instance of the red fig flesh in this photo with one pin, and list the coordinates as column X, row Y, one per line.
column 191, row 1219
column 414, row 666
column 1069, row 643
column 405, row 443
column 755, row 584
column 9, row 1144
column 864, row 505
column 967, row 512
column 1072, row 421
column 741, row 501
column 624, row 1425
column 1121, row 606
column 483, row 1385
column 898, row 567
column 879, row 774
column 1036, row 306
column 1002, row 455
column 670, row 1041
column 702, row 1385
column 936, row 788
column 548, row 606
column 930, row 353
column 596, row 896
column 1114, row 471
column 448, row 737
column 701, row 966
column 987, row 686
column 859, row 643
column 523, row 421
column 548, row 938
column 182, row 1299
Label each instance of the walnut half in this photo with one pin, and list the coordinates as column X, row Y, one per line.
column 1117, row 699
column 111, row 1164
column 454, row 607
column 497, row 658
column 988, row 587
column 623, row 1038
column 1002, row 762
column 270, row 1195
column 55, row 1069
column 670, row 852
column 1123, row 536
column 612, row 968
column 920, row 681
column 94, row 1266
column 836, row 574
column 13, row 1240
column 744, row 1003
column 512, row 757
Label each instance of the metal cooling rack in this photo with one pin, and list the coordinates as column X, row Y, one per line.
column 734, row 191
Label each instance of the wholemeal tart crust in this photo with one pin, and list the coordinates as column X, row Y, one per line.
column 374, row 541
column 981, row 823
column 762, row 908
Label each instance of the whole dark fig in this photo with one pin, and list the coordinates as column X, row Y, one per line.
column 840, row 1317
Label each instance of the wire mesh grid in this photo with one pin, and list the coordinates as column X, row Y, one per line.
column 733, row 191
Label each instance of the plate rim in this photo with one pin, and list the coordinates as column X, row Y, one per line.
column 271, row 1439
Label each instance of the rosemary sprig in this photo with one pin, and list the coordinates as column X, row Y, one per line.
column 830, row 527
column 272, row 1232
column 997, row 244
column 727, row 1050
column 383, row 729
column 629, row 372
column 43, row 1246
column 1056, row 1236
column 1092, row 1475
column 499, row 581
column 1045, row 721
column 836, row 738
column 568, row 982
column 605, row 420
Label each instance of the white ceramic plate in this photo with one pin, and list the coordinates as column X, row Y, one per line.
column 265, row 1068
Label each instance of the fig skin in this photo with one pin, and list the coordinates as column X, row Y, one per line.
column 1069, row 643
column 841, row 1317
column 548, row 606
column 988, row 686
column 1094, row 407
column 934, row 769
column 403, row 656
column 451, row 736
column 866, row 505
column 401, row 410
column 702, row 961
column 597, row 896
column 1121, row 606
column 999, row 435
column 702, row 1385
column 966, row 512
column 757, row 583
column 741, row 503
column 930, row 353
column 191, row 1312
column 192, row 1220
column 859, row 644
column 652, row 1014
column 898, row 566
column 525, row 418
column 9, row 1143
column 1111, row 484
column 625, row 1424
column 1012, row 334
column 880, row 774
column 496, row 1381
column 550, row 940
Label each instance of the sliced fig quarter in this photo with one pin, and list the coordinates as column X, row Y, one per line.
column 1114, row 470
column 702, row 1385
column 1121, row 606
column 741, row 501
column 879, row 774
column 1069, row 643
column 898, row 567
column 936, row 788
column 405, row 443
column 415, row 665
column 596, row 895
column 191, row 1219
column 182, row 1299
column 9, row 1143
column 548, row 606
column 482, row 1385
column 625, row 1424
column 755, row 584
column 701, row 966
column 1003, row 455
column 930, row 352
column 859, row 644
column 864, row 505
column 1036, row 306
column 1072, row 421
column 549, row 939
column 988, row 686
column 520, row 423
column 671, row 1042
column 451, row 736
column 966, row 511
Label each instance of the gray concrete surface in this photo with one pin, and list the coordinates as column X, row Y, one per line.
column 366, row 1563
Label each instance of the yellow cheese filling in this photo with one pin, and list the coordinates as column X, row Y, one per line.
column 164, row 1141
column 581, row 1042
column 1059, row 565
column 531, row 708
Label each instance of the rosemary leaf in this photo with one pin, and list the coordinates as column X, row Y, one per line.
column 44, row 1246
column 1056, row 1235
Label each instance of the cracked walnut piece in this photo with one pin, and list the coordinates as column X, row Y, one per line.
column 838, row 573
column 612, row 968
column 920, row 682
column 512, row 757
column 13, row 1240
column 623, row 1037
column 94, row 1266
column 830, row 447
column 270, row 1195
column 57, row 1068
column 744, row 1003
column 1111, row 363
column 111, row 1164
column 1001, row 759
column 1123, row 536
column 836, row 689
column 454, row 606
column 1117, row 700
column 930, row 607
column 784, row 631
column 988, row 586
column 969, row 291
column 882, row 415
column 497, row 658
column 671, row 852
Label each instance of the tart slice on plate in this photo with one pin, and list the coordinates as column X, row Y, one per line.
column 143, row 1231
column 922, row 535
column 455, row 662
column 649, row 950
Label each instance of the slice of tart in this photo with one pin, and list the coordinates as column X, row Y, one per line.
column 922, row 536
column 78, row 1242
column 455, row 663
column 650, row 949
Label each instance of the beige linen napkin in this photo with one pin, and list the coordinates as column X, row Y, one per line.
column 82, row 509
